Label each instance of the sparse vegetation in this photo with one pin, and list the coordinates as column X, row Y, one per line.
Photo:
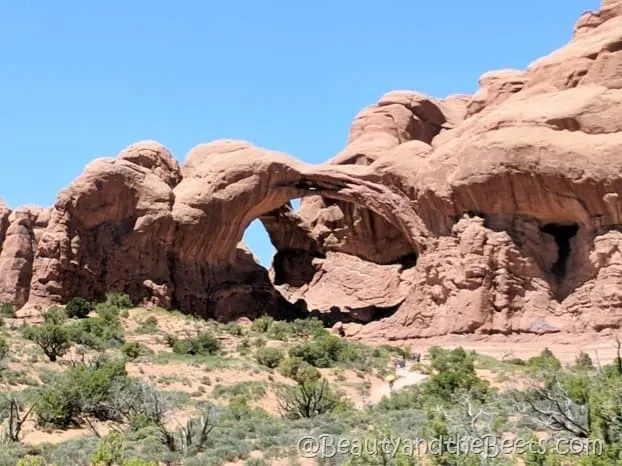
column 221, row 396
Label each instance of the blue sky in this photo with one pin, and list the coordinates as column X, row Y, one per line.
column 81, row 80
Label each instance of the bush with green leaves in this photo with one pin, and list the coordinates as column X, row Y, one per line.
column 149, row 325
column 544, row 363
column 262, row 324
column 101, row 331
column 119, row 300
column 55, row 315
column 311, row 327
column 204, row 343
column 132, row 349
column 454, row 374
column 4, row 348
column 269, row 357
column 234, row 329
column 584, row 361
column 31, row 460
column 84, row 390
column 326, row 350
column 79, row 308
column 7, row 310
column 53, row 339
column 298, row 370
column 110, row 452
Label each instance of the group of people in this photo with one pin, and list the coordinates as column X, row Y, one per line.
column 401, row 363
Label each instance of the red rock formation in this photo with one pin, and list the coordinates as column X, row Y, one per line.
column 493, row 213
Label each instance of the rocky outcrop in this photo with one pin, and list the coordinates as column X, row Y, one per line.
column 498, row 212
column 19, row 230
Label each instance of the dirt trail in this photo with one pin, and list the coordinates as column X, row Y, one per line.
column 405, row 378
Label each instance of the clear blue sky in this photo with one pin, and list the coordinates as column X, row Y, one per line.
column 82, row 79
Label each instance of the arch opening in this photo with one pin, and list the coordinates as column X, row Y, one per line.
column 257, row 239
column 562, row 235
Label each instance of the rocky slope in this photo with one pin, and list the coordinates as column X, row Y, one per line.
column 493, row 213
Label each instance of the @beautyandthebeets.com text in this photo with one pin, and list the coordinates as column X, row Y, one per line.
column 330, row 446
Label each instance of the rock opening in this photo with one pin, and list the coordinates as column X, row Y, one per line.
column 562, row 234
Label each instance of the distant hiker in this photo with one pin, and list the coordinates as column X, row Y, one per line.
column 342, row 332
column 391, row 384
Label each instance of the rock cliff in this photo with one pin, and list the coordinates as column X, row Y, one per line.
column 499, row 212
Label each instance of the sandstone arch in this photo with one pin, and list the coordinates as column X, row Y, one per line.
column 142, row 224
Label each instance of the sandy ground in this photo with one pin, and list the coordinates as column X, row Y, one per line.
column 405, row 378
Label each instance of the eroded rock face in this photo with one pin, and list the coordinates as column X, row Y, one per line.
column 493, row 213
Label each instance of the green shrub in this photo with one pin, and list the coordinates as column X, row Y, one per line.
column 244, row 346
column 132, row 349
column 584, row 361
column 109, row 451
column 119, row 300
column 454, row 373
column 78, row 308
column 280, row 330
column 262, row 324
column 298, row 370
column 308, row 327
column 234, row 329
column 324, row 351
column 88, row 390
column 108, row 312
column 170, row 340
column 55, row 315
column 269, row 357
column 250, row 390
column 58, row 407
column 98, row 332
column 31, row 460
column 259, row 342
column 545, row 363
column 205, row 343
column 53, row 339
column 4, row 348
column 7, row 310
column 150, row 325
column 138, row 462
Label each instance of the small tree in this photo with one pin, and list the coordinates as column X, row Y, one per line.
column 308, row 400
column 78, row 308
column 52, row 339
